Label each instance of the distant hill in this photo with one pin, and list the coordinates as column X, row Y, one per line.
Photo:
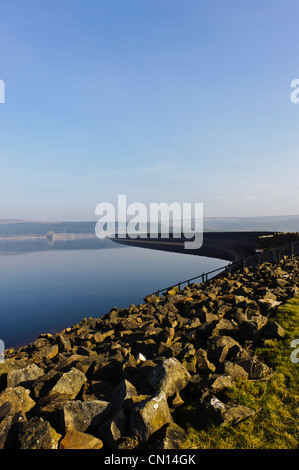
column 287, row 223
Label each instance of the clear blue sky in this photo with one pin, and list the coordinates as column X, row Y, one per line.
column 161, row 100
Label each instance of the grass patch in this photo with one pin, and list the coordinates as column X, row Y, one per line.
column 276, row 401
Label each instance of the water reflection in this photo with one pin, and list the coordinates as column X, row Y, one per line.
column 54, row 285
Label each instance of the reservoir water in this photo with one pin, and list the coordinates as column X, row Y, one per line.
column 47, row 291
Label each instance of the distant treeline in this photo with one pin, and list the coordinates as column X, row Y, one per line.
column 11, row 246
column 277, row 239
column 41, row 229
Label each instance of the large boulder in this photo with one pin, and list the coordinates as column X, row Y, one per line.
column 24, row 377
column 84, row 416
column 70, row 383
column 149, row 416
column 211, row 410
column 80, row 440
column 38, row 434
column 19, row 399
column 169, row 376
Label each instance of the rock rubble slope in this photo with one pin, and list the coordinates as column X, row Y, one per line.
column 117, row 381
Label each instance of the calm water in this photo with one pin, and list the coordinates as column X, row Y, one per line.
column 42, row 292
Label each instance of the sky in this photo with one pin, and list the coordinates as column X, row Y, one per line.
column 159, row 100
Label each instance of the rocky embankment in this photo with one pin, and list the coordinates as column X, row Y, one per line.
column 119, row 380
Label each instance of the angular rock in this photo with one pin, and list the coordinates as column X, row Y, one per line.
column 248, row 329
column 70, row 383
column 50, row 409
column 254, row 367
column 80, row 440
column 170, row 436
column 149, row 416
column 235, row 371
column 272, row 330
column 84, row 416
column 24, row 377
column 107, row 369
column 38, row 434
column 221, row 347
column 203, row 365
column 213, row 411
column 122, row 392
column 45, row 383
column 218, row 382
column 7, row 366
column 64, row 343
column 187, row 357
column 114, row 430
column 18, row 397
column 169, row 376
column 9, row 426
column 47, row 352
column 226, row 327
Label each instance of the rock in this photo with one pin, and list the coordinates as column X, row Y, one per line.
column 7, row 366
column 272, row 330
column 217, row 349
column 107, row 369
column 24, row 377
column 203, row 365
column 149, row 416
column 9, row 426
column 254, row 367
column 47, row 352
column 50, row 409
column 167, row 335
column 5, row 410
column 170, row 436
column 64, row 343
column 221, row 347
column 70, row 383
column 140, row 358
column 213, row 411
column 267, row 305
column 84, row 416
column 100, row 390
column 169, row 376
column 45, row 383
column 235, row 371
column 188, row 358
column 80, row 440
column 38, row 434
column 113, row 430
column 19, row 399
column 122, row 392
column 128, row 443
column 147, row 347
column 248, row 329
column 218, row 382
column 226, row 327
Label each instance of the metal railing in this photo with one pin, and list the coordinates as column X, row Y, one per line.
column 270, row 256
